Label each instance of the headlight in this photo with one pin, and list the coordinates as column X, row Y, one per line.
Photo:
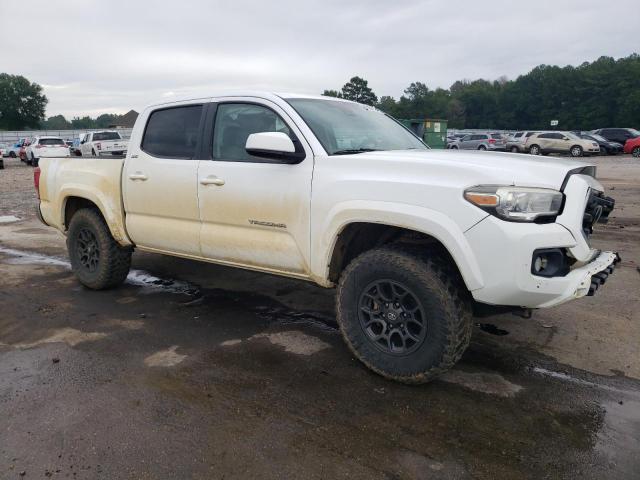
column 517, row 204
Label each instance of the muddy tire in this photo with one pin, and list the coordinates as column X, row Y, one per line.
column 96, row 258
column 404, row 313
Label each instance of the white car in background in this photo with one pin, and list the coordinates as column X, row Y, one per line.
column 104, row 142
column 42, row 147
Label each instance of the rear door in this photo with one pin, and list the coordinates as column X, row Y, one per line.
column 160, row 186
column 254, row 211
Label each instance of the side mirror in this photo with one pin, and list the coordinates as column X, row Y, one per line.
column 275, row 145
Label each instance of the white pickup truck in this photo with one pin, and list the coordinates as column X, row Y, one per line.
column 340, row 194
column 104, row 142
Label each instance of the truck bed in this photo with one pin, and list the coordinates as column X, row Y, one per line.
column 64, row 180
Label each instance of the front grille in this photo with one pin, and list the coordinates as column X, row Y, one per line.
column 597, row 211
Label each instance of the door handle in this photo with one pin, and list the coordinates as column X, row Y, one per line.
column 212, row 180
column 138, row 176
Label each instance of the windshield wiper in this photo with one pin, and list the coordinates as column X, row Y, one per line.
column 354, row 150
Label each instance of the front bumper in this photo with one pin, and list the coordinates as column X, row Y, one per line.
column 504, row 253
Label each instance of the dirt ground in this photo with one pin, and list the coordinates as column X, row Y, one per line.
column 193, row 370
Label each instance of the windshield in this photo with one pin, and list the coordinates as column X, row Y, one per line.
column 635, row 132
column 571, row 135
column 106, row 136
column 345, row 127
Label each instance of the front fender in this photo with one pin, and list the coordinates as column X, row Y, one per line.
column 411, row 217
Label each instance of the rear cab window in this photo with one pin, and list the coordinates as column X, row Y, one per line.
column 101, row 136
column 51, row 142
column 173, row 132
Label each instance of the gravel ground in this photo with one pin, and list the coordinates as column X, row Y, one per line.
column 192, row 370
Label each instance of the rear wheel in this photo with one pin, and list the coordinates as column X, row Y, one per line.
column 604, row 151
column 534, row 150
column 93, row 152
column 454, row 147
column 404, row 314
column 514, row 150
column 576, row 151
column 635, row 152
column 12, row 154
column 97, row 259
column 482, row 147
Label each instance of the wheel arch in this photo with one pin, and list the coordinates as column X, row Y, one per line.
column 348, row 238
column 74, row 200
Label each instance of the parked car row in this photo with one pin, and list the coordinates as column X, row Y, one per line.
column 605, row 141
column 99, row 143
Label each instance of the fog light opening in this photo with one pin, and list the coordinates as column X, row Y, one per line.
column 549, row 262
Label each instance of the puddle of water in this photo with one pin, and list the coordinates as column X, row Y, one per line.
column 152, row 284
column 8, row 219
column 294, row 341
column 568, row 378
column 165, row 358
column 619, row 438
column 149, row 283
column 490, row 383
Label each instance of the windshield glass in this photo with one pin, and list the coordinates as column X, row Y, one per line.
column 345, row 127
column 571, row 135
column 635, row 132
column 597, row 138
column 106, row 136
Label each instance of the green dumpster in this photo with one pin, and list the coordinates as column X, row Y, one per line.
column 432, row 131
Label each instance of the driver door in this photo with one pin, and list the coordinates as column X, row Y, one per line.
column 255, row 212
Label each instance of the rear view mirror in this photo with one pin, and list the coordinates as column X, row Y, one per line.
column 275, row 145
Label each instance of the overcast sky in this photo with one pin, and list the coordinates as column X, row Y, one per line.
column 108, row 56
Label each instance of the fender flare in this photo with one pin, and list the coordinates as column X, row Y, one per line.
column 410, row 217
column 110, row 208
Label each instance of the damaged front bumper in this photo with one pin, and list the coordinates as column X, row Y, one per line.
column 585, row 280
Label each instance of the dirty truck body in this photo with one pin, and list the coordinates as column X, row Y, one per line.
column 339, row 194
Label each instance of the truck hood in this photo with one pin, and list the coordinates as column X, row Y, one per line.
column 478, row 167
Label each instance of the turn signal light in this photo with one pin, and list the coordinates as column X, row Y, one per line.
column 482, row 199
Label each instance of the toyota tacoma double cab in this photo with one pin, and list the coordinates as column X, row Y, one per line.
column 340, row 194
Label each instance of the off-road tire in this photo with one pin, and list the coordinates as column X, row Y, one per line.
column 635, row 152
column 576, row 151
column 438, row 287
column 114, row 261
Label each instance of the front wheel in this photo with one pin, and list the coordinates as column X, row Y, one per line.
column 482, row 147
column 404, row 314
column 514, row 150
column 576, row 151
column 97, row 259
column 635, row 152
column 534, row 150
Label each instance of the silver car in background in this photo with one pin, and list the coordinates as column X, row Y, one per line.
column 516, row 143
column 481, row 141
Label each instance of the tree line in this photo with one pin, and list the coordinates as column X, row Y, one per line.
column 603, row 93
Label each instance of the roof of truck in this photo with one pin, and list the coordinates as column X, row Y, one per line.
column 245, row 93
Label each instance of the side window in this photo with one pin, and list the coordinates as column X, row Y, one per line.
column 545, row 135
column 518, row 135
column 233, row 125
column 173, row 132
column 466, row 138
